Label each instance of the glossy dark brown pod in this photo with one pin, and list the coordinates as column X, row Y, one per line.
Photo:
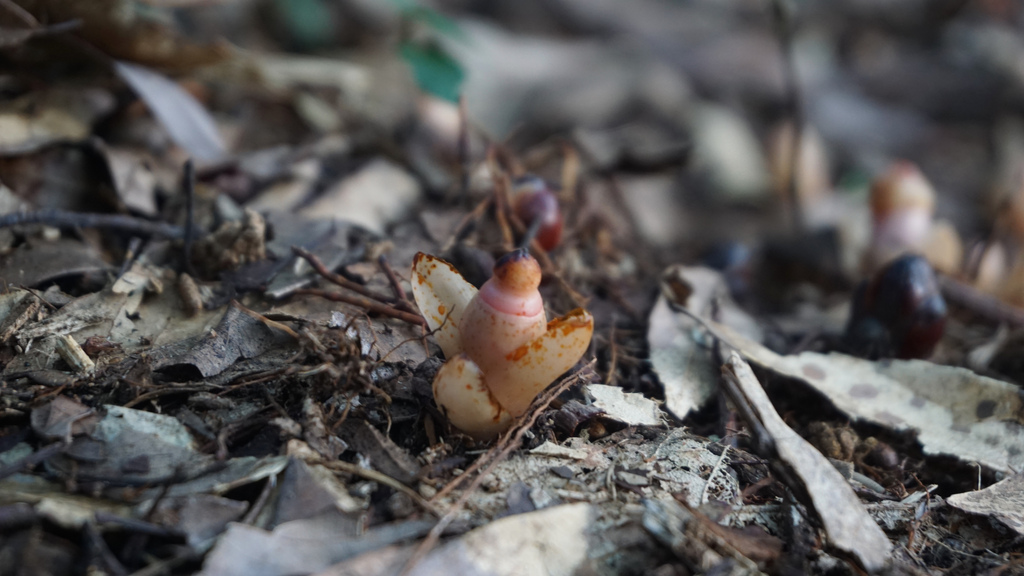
column 899, row 313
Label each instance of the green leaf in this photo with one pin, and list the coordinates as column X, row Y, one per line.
column 435, row 71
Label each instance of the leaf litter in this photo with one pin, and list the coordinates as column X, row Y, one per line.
column 225, row 373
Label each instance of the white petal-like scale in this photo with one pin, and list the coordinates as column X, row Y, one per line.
column 441, row 292
column 461, row 394
column 530, row 368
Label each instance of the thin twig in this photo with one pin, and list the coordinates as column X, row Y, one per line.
column 980, row 303
column 501, row 211
column 531, row 233
column 546, row 264
column 32, row 459
column 338, row 279
column 464, row 166
column 20, row 13
column 163, row 392
column 102, row 552
column 783, row 19
column 402, row 299
column 266, row 321
column 189, row 186
column 543, row 400
column 467, row 223
column 368, row 304
column 65, row 219
column 570, row 171
column 711, row 476
column 384, row 479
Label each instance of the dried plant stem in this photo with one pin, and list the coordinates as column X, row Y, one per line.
column 464, row 162
column 783, row 19
column 402, row 299
column 338, row 279
column 188, row 184
column 529, row 418
column 380, row 478
column 501, row 199
column 368, row 304
column 982, row 304
column 546, row 264
column 65, row 219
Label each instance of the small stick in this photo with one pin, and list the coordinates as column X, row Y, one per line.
column 546, row 264
column 501, row 212
column 381, row 478
column 189, row 186
column 542, row 402
column 530, row 234
column 266, row 321
column 368, row 304
column 32, row 459
column 338, row 279
column 570, row 171
column 467, row 223
column 65, row 219
column 101, row 551
column 134, row 245
column 784, row 32
column 980, row 303
column 711, row 476
column 20, row 13
column 464, row 166
column 396, row 285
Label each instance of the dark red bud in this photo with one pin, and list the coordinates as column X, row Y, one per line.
column 532, row 199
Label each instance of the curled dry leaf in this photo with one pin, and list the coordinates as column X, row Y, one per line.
column 683, row 362
column 501, row 350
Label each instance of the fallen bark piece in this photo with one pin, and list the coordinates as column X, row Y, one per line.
column 73, row 354
column 848, row 527
column 1003, row 501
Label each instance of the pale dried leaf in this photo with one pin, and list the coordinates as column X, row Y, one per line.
column 184, row 118
column 1003, row 501
column 631, row 409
